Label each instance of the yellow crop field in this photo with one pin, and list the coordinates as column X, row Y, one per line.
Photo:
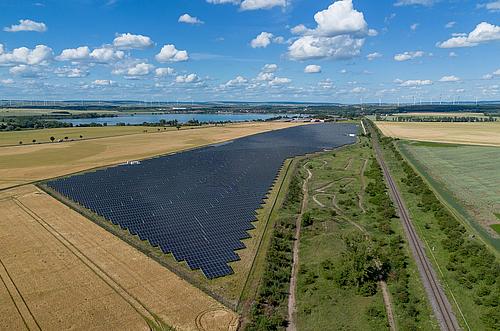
column 25, row 164
column 486, row 134
column 61, row 271
column 43, row 136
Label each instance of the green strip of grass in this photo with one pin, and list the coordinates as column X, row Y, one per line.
column 496, row 227
column 323, row 303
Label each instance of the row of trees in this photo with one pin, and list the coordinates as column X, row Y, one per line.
column 462, row 119
column 21, row 123
column 470, row 263
column 269, row 312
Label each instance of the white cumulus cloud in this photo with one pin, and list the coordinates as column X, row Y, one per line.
column 132, row 41
column 23, row 55
column 190, row 78
column 262, row 4
column 339, row 47
column 103, row 82
column 264, row 39
column 69, row 72
column 140, row 69
column 160, row 72
column 188, row 19
column 312, row 69
column 74, row 54
column 237, row 81
column 27, row 25
column 408, row 56
column 492, row 6
column 415, row 82
column 373, row 56
column 483, row 33
column 106, row 54
column 340, row 34
column 449, row 79
column 252, row 4
column 270, row 67
column 340, row 18
column 414, row 2
column 169, row 53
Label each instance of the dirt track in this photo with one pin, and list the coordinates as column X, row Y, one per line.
column 60, row 271
column 292, row 305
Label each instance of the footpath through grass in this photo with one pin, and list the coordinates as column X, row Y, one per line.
column 468, row 271
column 350, row 241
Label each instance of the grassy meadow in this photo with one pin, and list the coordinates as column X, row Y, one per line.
column 340, row 207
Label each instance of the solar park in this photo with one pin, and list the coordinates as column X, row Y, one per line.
column 198, row 205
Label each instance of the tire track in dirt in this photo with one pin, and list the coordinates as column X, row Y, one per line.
column 148, row 316
column 17, row 298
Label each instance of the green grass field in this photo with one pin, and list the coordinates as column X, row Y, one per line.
column 321, row 304
column 43, row 135
column 467, row 179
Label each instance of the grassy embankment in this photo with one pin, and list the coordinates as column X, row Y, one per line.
column 351, row 238
column 469, row 272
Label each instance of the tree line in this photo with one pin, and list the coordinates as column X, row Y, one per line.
column 269, row 312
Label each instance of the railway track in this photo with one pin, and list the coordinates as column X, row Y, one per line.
column 440, row 303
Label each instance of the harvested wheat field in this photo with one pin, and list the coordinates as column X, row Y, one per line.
column 25, row 164
column 486, row 134
column 60, row 271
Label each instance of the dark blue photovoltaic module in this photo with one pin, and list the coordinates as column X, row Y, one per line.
column 199, row 204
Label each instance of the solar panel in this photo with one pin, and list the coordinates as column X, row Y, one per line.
column 198, row 205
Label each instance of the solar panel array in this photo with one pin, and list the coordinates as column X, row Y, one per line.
column 199, row 204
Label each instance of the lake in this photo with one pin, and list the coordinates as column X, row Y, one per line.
column 180, row 117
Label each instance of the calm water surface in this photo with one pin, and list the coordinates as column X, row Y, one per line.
column 180, row 117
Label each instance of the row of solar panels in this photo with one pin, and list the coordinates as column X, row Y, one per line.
column 198, row 205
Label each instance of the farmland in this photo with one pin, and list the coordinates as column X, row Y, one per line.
column 63, row 272
column 70, row 253
column 466, row 177
column 26, row 164
column 467, row 269
column 12, row 138
column 487, row 134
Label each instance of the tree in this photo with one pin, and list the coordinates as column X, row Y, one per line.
column 20, row 143
column 81, row 137
column 178, row 126
column 52, row 139
column 307, row 219
column 33, row 141
column 65, row 138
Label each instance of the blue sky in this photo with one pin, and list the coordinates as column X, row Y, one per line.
column 250, row 50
